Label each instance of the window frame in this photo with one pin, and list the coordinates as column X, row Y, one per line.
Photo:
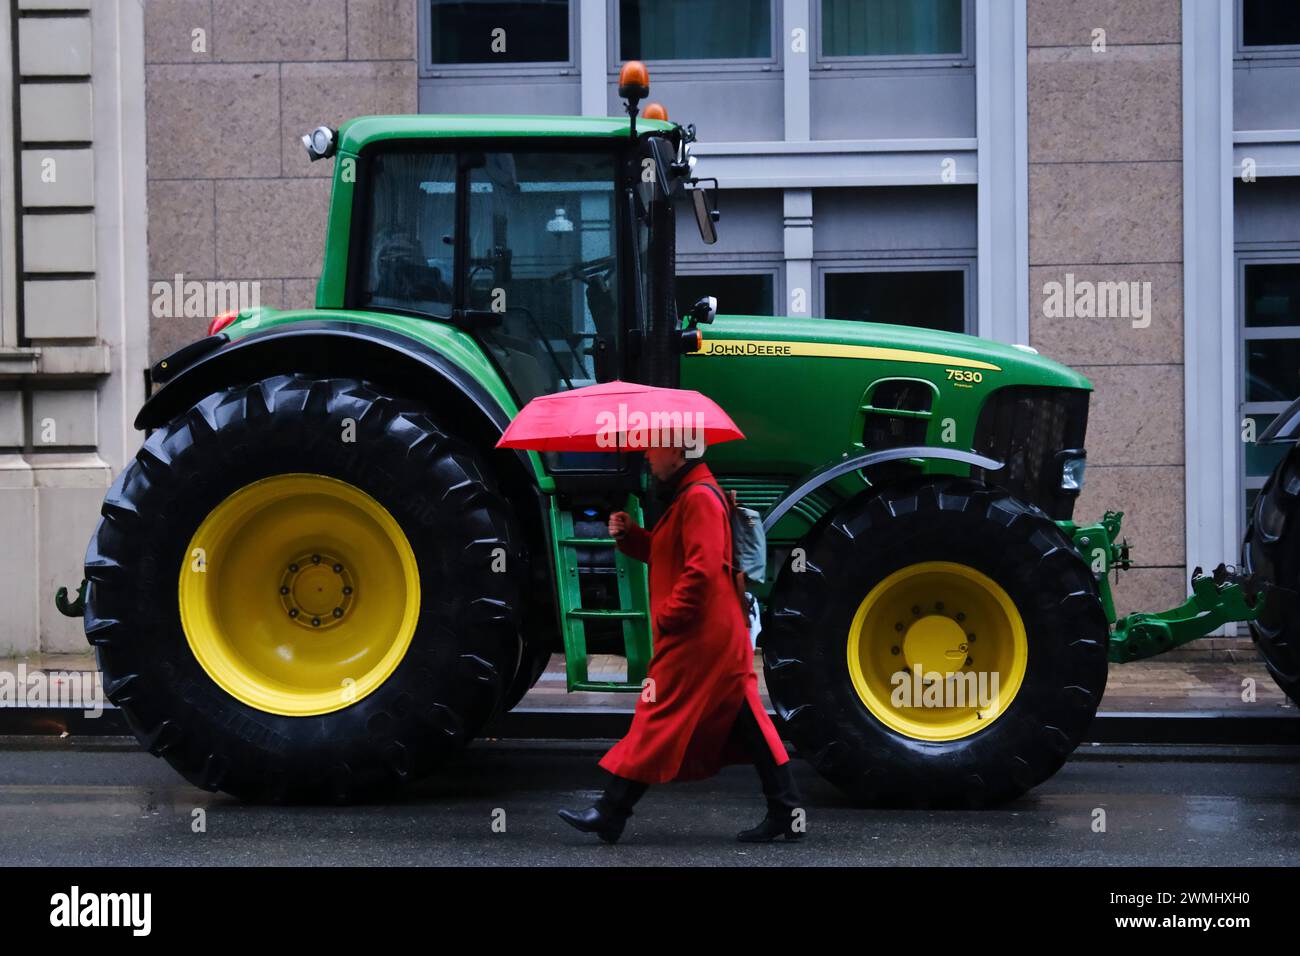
column 1275, row 51
column 768, row 64
column 11, row 280
column 775, row 268
column 966, row 265
column 492, row 68
column 822, row 63
column 361, row 223
column 1279, row 254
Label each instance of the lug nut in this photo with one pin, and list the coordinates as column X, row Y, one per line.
column 895, row 651
column 938, row 605
column 961, row 616
column 916, row 610
column 283, row 589
column 315, row 559
column 338, row 612
column 293, row 612
column 315, row 622
column 347, row 590
column 338, row 569
column 293, row 568
column 898, row 626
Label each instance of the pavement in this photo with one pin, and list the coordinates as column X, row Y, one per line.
column 1170, row 683
column 1222, row 698
column 1154, row 685
column 106, row 803
column 94, row 799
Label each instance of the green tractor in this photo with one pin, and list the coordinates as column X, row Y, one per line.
column 319, row 577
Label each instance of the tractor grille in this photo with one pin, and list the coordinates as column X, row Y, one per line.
column 762, row 492
column 1026, row 428
column 759, row 492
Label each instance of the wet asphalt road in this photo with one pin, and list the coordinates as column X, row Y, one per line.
column 114, row 805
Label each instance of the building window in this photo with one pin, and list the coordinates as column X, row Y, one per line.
column 498, row 31
column 737, row 294
column 1267, row 23
column 890, row 28
column 926, row 298
column 695, row 29
column 1270, row 324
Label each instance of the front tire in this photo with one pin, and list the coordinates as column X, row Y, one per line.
column 304, row 590
column 1271, row 549
column 950, row 578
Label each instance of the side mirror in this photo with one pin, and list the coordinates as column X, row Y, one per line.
column 705, row 216
column 704, row 311
column 321, row 143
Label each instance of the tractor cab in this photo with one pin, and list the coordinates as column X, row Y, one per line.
column 551, row 244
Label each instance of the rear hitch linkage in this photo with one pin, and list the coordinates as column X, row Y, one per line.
column 1225, row 596
column 75, row 608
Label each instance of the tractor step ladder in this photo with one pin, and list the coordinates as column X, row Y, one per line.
column 633, row 610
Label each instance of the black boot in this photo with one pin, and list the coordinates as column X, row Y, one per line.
column 784, row 813
column 780, row 820
column 608, row 815
column 785, row 816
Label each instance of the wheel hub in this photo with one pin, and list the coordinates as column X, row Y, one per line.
column 935, row 643
column 317, row 590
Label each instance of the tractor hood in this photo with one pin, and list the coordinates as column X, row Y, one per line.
column 998, row 364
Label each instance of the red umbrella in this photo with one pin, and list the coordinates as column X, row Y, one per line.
column 613, row 416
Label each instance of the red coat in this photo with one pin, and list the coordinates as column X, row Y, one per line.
column 703, row 663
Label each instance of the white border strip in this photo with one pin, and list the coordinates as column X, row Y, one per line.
column 1002, row 161
column 1209, row 320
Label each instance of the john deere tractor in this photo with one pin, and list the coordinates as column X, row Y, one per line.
column 319, row 577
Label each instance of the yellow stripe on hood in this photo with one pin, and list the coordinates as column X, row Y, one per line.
column 745, row 347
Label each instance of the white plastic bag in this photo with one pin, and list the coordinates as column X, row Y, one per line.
column 755, row 624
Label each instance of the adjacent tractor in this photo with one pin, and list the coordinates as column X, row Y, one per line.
column 319, row 578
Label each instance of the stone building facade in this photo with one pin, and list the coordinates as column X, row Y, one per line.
column 1028, row 157
column 73, row 293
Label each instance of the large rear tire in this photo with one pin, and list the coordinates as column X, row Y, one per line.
column 532, row 663
column 941, row 576
column 304, row 590
column 1272, row 550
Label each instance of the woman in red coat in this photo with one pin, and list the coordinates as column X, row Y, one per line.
column 700, row 709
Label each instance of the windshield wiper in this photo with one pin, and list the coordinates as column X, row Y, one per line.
column 555, row 359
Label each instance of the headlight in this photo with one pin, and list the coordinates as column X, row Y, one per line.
column 1072, row 473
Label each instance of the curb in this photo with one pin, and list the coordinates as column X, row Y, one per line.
column 1196, row 728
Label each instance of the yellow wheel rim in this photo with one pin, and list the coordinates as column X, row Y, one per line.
column 299, row 594
column 937, row 651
